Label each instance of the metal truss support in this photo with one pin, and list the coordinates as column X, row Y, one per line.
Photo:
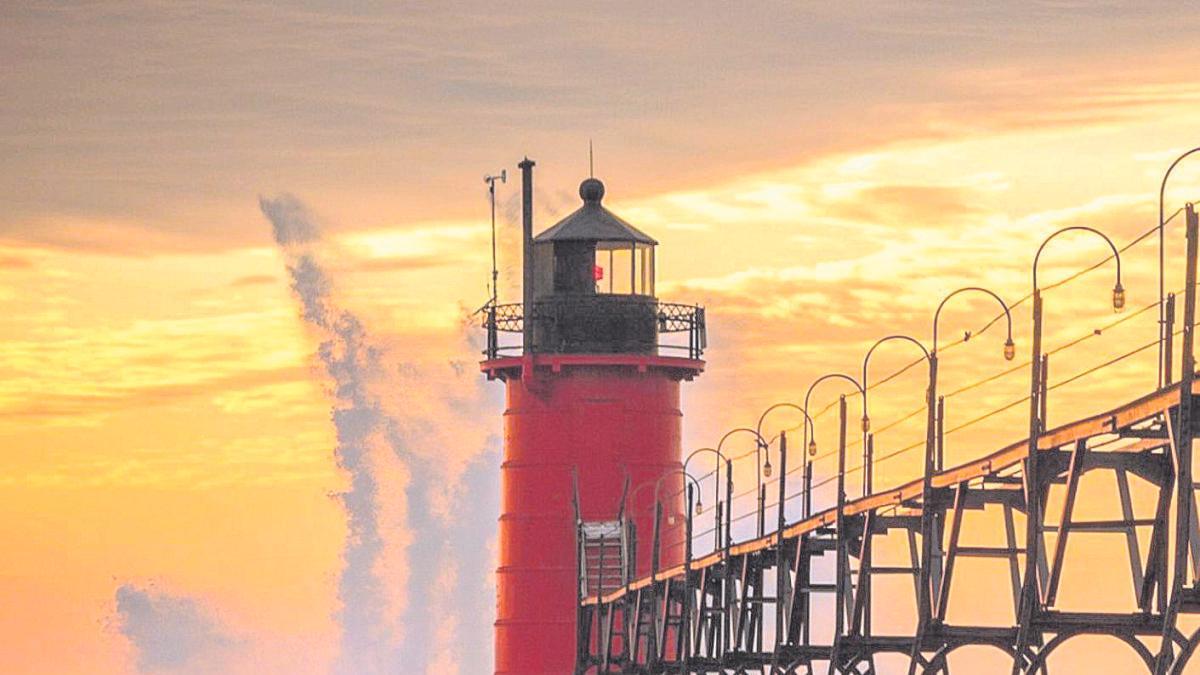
column 1181, row 444
column 1064, row 522
column 709, row 615
column 1030, row 599
column 841, row 567
column 928, row 524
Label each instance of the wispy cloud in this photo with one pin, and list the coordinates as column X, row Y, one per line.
column 686, row 98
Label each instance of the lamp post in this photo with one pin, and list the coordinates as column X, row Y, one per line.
column 811, row 444
column 868, row 450
column 687, row 476
column 658, row 507
column 686, row 628
column 782, row 449
column 781, row 560
column 656, row 542
column 1118, row 304
column 1033, row 487
column 930, row 555
column 1010, row 349
column 1162, row 319
column 632, row 498
column 760, row 469
column 717, row 492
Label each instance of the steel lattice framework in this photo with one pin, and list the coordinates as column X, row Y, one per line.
column 710, row 614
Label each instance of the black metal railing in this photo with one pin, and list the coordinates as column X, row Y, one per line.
column 598, row 324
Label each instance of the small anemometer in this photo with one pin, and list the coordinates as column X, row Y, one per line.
column 491, row 179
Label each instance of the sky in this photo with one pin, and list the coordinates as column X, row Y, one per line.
column 240, row 244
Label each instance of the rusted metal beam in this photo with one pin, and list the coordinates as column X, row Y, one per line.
column 1154, row 582
column 1064, row 527
column 634, row 627
column 928, row 522
column 1131, row 538
column 858, row 620
column 1030, row 596
column 1169, row 337
column 1014, row 567
column 953, row 551
column 742, row 614
column 1181, row 442
column 841, row 560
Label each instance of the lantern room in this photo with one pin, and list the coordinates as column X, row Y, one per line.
column 593, row 251
column 593, row 287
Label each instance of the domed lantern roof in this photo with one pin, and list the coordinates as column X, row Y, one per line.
column 592, row 222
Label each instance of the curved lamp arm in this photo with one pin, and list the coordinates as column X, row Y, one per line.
column 866, row 419
column 1162, row 224
column 697, row 451
column 687, row 476
column 812, row 443
column 761, row 444
column 1010, row 348
column 731, row 432
column 1118, row 299
column 1162, row 190
column 632, row 499
column 720, row 457
column 761, row 418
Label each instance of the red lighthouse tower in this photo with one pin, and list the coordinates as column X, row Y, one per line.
column 592, row 425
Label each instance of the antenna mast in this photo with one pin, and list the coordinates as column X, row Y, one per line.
column 491, row 182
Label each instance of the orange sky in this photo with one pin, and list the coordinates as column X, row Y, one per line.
column 815, row 178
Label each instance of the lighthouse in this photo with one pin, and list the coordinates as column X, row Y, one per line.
column 592, row 364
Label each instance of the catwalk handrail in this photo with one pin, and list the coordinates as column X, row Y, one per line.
column 908, row 448
column 1008, row 371
column 1008, row 456
column 1091, row 334
column 1020, row 301
column 669, row 317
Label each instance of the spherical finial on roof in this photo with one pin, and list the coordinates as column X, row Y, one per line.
column 592, row 190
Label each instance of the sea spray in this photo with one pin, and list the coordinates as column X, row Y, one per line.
column 451, row 495
column 366, row 641
column 170, row 631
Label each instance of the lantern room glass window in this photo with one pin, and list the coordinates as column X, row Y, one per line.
column 624, row 268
